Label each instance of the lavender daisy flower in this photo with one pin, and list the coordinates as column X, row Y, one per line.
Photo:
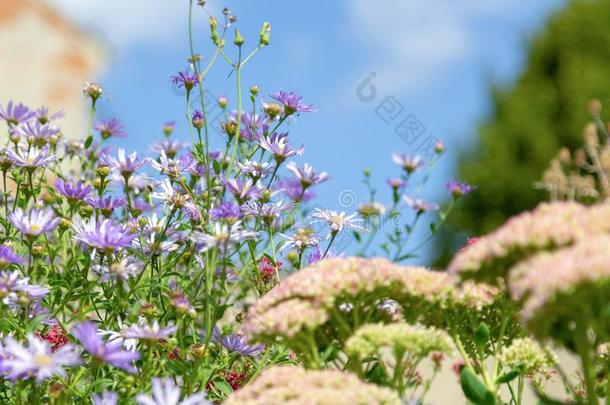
column 226, row 211
column 169, row 146
column 74, row 192
column 110, row 128
column 458, row 188
column 125, row 164
column 222, row 237
column 170, row 196
column 242, row 190
column 165, row 392
column 185, row 79
column 278, row 146
column 253, row 126
column 105, row 398
column 34, row 222
column 39, row 133
column 105, row 205
column 256, row 170
column 266, row 211
column 8, row 257
column 292, row 103
column 9, row 281
column 420, row 206
column 111, row 352
column 306, row 174
column 237, row 343
column 36, row 360
column 30, row 158
column 123, row 270
column 15, row 114
column 103, row 235
column 301, row 240
column 408, row 163
column 149, row 332
column 396, row 184
column 43, row 116
column 338, row 221
column 294, row 190
column 171, row 167
column 150, row 244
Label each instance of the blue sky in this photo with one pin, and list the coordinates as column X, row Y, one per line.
column 436, row 58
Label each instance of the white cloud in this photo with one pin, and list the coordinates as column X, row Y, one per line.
column 413, row 42
column 124, row 23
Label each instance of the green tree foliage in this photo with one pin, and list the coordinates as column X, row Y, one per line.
column 568, row 63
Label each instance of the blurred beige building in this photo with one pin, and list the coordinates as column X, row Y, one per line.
column 45, row 61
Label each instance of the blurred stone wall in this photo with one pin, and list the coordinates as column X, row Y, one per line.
column 45, row 59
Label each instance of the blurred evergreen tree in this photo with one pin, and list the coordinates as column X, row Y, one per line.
column 568, row 63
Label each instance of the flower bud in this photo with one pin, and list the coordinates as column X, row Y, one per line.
column 64, row 223
column 272, row 110
column 93, row 90
column 254, row 90
column 148, row 311
column 264, row 34
column 197, row 119
column 239, row 40
column 214, row 31
column 223, row 102
column 38, row 250
column 102, row 171
column 439, row 147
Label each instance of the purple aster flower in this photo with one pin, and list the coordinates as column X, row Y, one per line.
column 226, row 211
column 8, row 257
column 105, row 205
column 104, row 235
column 15, row 114
column 170, row 196
column 222, row 237
column 278, row 146
column 73, row 191
column 408, row 163
column 34, row 222
column 43, row 116
column 237, row 343
column 458, row 188
column 105, row 398
column 242, row 190
column 171, row 167
column 9, row 281
column 396, row 184
column 256, row 170
column 149, row 332
column 338, row 221
column 111, row 352
column 169, row 146
column 165, row 392
column 111, row 127
column 306, row 174
column 37, row 132
column 185, row 79
column 420, row 206
column 120, row 270
column 294, row 190
column 36, row 360
column 253, row 126
column 266, row 211
column 125, row 164
column 292, row 103
column 315, row 255
column 139, row 206
column 30, row 158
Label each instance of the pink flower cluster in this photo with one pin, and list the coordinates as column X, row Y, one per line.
column 541, row 279
column 294, row 385
column 306, row 300
column 549, row 226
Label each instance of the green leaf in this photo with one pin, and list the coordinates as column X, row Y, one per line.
column 223, row 387
column 474, row 389
column 432, row 227
column 357, row 237
column 481, row 335
column 507, row 377
column 88, row 142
